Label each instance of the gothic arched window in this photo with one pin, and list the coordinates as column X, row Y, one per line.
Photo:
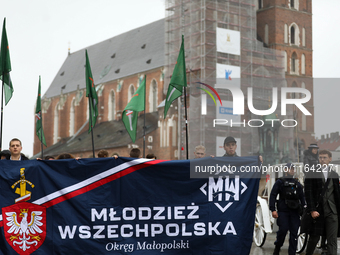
column 292, row 35
column 153, row 96
column 293, row 65
column 131, row 92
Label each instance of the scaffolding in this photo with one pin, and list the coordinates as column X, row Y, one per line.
column 261, row 68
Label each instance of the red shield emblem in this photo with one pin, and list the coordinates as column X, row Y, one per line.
column 24, row 226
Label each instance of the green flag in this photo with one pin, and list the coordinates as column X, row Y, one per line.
column 178, row 80
column 38, row 115
column 5, row 65
column 130, row 112
column 91, row 94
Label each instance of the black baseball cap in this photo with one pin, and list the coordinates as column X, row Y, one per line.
column 229, row 139
column 290, row 165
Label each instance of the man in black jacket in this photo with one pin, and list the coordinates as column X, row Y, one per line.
column 323, row 203
column 310, row 163
column 286, row 209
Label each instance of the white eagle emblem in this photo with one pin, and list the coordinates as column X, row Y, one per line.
column 24, row 233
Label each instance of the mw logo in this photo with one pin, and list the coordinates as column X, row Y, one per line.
column 223, row 189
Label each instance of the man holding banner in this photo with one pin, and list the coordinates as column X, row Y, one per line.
column 230, row 147
column 199, row 151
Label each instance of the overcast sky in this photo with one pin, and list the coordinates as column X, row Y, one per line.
column 40, row 32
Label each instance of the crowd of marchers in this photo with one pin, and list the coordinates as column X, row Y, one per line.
column 15, row 148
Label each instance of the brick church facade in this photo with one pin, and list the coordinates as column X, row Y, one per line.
column 286, row 25
column 118, row 66
column 119, row 63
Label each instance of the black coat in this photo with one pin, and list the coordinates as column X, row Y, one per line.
column 310, row 160
column 23, row 157
column 313, row 189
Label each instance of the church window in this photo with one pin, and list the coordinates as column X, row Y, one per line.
column 294, row 4
column 294, row 64
column 292, row 35
column 112, row 106
column 153, row 96
column 131, row 92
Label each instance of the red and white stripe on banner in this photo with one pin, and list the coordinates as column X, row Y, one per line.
column 93, row 182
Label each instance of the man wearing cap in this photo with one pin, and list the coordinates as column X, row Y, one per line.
column 286, row 209
column 323, row 203
column 230, row 147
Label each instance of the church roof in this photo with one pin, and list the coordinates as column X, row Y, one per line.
column 135, row 51
column 107, row 135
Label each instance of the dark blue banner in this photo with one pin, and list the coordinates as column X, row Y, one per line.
column 124, row 206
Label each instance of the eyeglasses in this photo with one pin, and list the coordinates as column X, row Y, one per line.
column 198, row 153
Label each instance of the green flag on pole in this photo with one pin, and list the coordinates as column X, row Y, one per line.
column 92, row 94
column 5, row 65
column 130, row 112
column 38, row 116
column 178, row 80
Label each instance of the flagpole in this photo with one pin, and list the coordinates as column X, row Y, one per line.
column 144, row 127
column 41, row 138
column 2, row 107
column 90, row 123
column 186, row 121
column 42, row 130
